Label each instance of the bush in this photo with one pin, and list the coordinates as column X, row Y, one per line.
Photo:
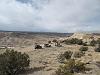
column 54, row 41
column 85, row 44
column 61, row 58
column 93, row 43
column 79, row 54
column 49, row 42
column 68, row 54
column 68, row 42
column 73, row 41
column 66, row 69
column 79, row 42
column 79, row 67
column 97, row 49
column 83, row 48
column 70, row 67
column 98, row 41
column 12, row 62
column 62, row 70
column 64, row 56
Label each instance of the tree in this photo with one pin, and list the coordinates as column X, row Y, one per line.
column 12, row 62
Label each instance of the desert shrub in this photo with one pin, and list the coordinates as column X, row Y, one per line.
column 68, row 54
column 47, row 45
column 76, row 41
column 97, row 49
column 83, row 48
column 93, row 43
column 49, row 42
column 66, row 69
column 55, row 40
column 79, row 42
column 73, row 41
column 38, row 46
column 79, row 54
column 70, row 67
column 64, row 56
column 79, row 67
column 98, row 63
column 63, row 70
column 12, row 62
column 98, row 41
column 67, row 41
column 85, row 44
column 61, row 58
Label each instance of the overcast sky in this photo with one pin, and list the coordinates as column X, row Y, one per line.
column 50, row 15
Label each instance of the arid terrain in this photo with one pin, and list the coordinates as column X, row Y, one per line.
column 44, row 61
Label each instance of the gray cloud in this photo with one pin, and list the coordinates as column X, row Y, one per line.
column 50, row 15
column 25, row 1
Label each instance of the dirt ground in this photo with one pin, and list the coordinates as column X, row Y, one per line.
column 46, row 63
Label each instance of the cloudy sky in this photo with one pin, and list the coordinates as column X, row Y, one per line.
column 50, row 15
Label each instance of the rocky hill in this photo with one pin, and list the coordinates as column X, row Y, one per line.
column 82, row 36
